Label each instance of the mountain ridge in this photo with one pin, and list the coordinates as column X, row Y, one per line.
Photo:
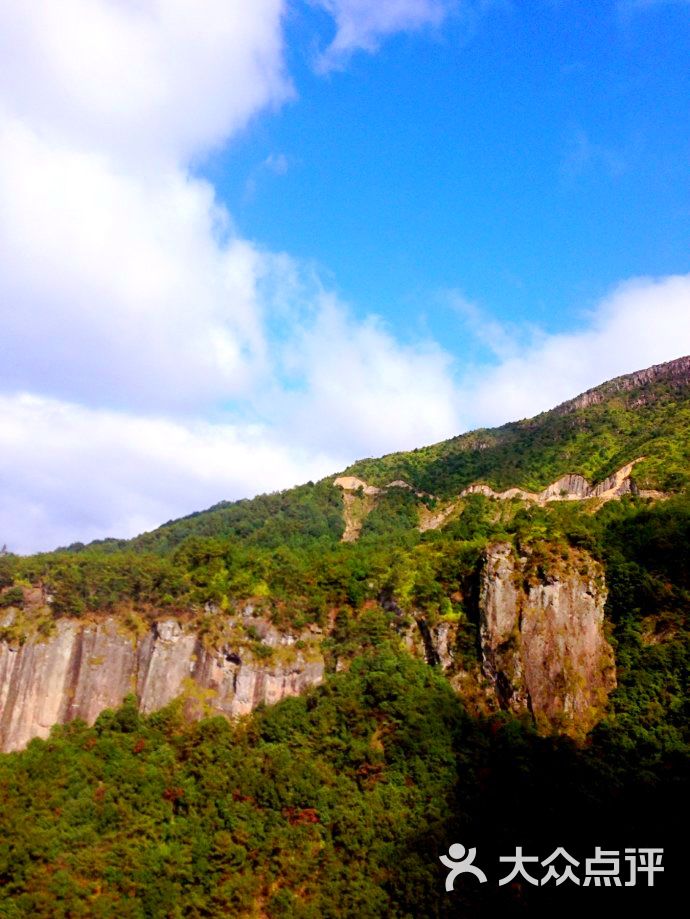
column 593, row 435
column 675, row 370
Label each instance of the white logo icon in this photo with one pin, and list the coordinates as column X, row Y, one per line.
column 460, row 864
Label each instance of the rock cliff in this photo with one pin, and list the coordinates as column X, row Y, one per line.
column 542, row 637
column 84, row 668
column 674, row 373
column 540, row 648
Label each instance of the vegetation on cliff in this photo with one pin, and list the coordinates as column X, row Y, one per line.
column 339, row 803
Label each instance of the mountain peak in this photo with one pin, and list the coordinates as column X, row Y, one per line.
column 676, row 372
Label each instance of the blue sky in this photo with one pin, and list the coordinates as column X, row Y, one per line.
column 530, row 162
column 244, row 244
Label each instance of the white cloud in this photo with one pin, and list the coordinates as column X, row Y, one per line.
column 121, row 278
column 141, row 78
column 132, row 310
column 362, row 24
column 346, row 388
column 118, row 286
column 138, row 326
column 360, row 391
column 123, row 281
column 642, row 322
column 78, row 474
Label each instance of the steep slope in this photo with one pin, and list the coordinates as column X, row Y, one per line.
column 641, row 418
column 259, row 599
column 643, row 414
column 543, row 654
column 400, row 690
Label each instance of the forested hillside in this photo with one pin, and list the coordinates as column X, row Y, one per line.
column 644, row 416
column 339, row 802
column 335, row 804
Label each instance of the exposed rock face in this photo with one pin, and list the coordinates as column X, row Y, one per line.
column 542, row 638
column 84, row 668
column 433, row 520
column 675, row 373
column 359, row 499
column 352, row 483
column 570, row 487
column 541, row 635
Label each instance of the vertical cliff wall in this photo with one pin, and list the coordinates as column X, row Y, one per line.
column 542, row 650
column 83, row 669
column 542, row 637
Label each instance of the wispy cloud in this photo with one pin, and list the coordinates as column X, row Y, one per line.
column 276, row 164
column 80, row 473
column 642, row 321
column 500, row 340
column 363, row 24
column 140, row 330
column 75, row 474
column 583, row 154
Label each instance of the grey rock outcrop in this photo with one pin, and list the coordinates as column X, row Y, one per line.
column 542, row 638
column 675, row 373
column 84, row 668
column 543, row 651
column 570, row 487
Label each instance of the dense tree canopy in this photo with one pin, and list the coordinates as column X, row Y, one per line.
column 340, row 803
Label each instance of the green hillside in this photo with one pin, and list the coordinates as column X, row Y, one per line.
column 646, row 414
column 339, row 803
column 284, row 550
column 334, row 805
column 641, row 415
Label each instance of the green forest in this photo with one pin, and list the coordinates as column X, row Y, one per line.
column 340, row 802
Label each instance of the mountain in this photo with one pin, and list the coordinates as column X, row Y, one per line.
column 483, row 641
column 641, row 418
column 598, row 432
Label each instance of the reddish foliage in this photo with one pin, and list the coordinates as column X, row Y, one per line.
column 300, row 816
